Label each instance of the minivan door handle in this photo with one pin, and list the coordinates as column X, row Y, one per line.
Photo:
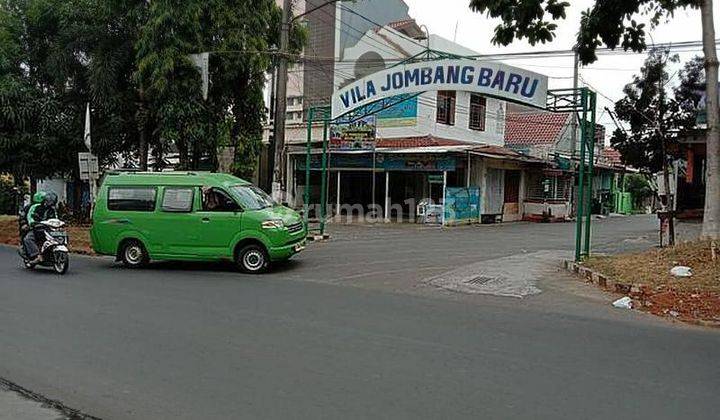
column 206, row 220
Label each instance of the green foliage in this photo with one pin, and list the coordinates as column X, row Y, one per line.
column 639, row 187
column 8, row 196
column 130, row 60
column 652, row 113
column 690, row 91
column 608, row 22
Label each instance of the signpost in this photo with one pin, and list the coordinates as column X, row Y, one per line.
column 89, row 168
column 87, row 162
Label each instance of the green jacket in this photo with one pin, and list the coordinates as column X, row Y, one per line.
column 37, row 213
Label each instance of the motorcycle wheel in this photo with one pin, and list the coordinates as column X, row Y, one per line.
column 61, row 262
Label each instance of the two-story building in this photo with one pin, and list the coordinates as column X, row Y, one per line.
column 423, row 145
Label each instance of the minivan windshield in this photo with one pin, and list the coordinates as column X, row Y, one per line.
column 251, row 197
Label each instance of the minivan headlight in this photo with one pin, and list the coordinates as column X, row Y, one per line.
column 273, row 224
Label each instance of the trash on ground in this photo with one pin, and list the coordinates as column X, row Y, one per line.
column 681, row 271
column 623, row 303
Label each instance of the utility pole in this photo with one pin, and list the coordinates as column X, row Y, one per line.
column 574, row 126
column 278, row 182
column 576, row 76
column 669, row 199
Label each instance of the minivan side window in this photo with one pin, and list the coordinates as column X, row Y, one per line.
column 217, row 200
column 177, row 200
column 131, row 198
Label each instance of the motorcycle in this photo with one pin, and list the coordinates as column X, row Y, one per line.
column 53, row 246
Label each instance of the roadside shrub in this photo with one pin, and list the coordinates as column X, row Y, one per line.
column 8, row 196
column 640, row 188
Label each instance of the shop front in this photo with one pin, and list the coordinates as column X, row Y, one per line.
column 388, row 185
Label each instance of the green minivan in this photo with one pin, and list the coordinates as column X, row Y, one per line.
column 194, row 216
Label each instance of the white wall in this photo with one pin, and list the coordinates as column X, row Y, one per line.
column 397, row 47
column 427, row 125
column 56, row 185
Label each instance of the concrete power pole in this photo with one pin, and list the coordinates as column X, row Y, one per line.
column 278, row 182
column 574, row 124
column 576, row 71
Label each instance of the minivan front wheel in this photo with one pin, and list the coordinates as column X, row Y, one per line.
column 252, row 259
column 133, row 254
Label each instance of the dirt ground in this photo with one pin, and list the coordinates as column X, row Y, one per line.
column 659, row 292
column 79, row 235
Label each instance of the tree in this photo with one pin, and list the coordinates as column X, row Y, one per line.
column 39, row 76
column 649, row 112
column 610, row 22
column 129, row 60
column 239, row 34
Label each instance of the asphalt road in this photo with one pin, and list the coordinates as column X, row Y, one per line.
column 348, row 331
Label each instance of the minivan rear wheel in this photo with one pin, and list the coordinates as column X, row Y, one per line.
column 252, row 259
column 133, row 254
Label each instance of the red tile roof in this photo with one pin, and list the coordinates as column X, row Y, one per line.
column 420, row 141
column 535, row 128
column 612, row 156
column 400, row 23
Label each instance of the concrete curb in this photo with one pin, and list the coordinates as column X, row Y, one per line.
column 633, row 290
column 596, row 277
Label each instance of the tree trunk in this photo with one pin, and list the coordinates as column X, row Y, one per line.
column 143, row 149
column 711, row 218
column 142, row 138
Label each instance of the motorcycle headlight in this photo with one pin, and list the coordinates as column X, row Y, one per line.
column 273, row 224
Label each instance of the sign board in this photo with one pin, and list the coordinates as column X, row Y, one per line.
column 462, row 205
column 409, row 162
column 488, row 78
column 89, row 168
column 357, row 135
column 402, row 114
column 435, row 179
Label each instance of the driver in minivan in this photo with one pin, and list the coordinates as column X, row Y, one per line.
column 210, row 199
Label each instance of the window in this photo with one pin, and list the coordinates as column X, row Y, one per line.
column 217, row 200
column 294, row 115
column 177, row 200
column 548, row 187
column 131, row 199
column 446, row 107
column 478, row 108
column 252, row 197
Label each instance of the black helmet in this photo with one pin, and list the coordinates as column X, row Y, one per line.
column 50, row 199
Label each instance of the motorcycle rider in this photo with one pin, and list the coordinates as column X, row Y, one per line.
column 43, row 208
